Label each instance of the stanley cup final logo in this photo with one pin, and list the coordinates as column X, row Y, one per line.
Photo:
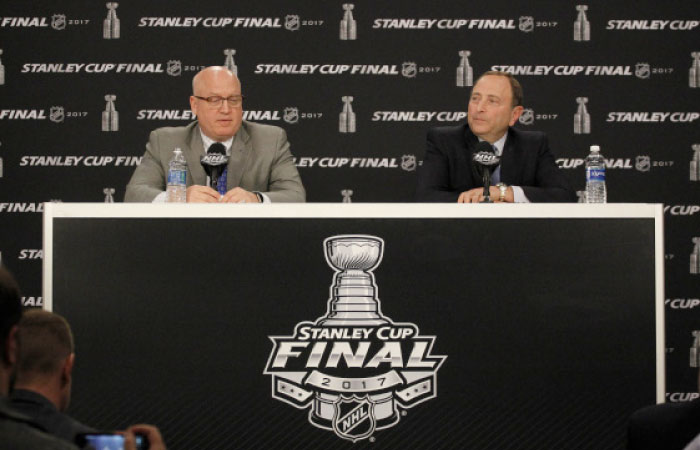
column 110, row 117
column 347, row 194
column 229, row 63
column 465, row 75
column 694, row 73
column 2, row 71
column 695, row 164
column 582, row 120
column 354, row 368
column 695, row 257
column 582, row 27
column 347, row 117
column 348, row 25
column 110, row 26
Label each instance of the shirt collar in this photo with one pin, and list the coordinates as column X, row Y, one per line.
column 207, row 141
column 498, row 144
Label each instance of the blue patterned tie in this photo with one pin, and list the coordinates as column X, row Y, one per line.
column 221, row 182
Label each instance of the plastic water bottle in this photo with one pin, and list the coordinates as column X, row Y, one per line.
column 595, row 177
column 177, row 178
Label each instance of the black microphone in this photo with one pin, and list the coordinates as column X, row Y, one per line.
column 214, row 163
column 485, row 162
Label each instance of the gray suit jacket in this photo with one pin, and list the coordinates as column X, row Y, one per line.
column 260, row 161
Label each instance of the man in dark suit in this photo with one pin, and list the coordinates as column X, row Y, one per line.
column 45, row 373
column 527, row 172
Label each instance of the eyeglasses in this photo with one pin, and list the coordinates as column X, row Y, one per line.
column 216, row 101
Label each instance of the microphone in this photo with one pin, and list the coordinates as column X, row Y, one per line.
column 214, row 163
column 485, row 162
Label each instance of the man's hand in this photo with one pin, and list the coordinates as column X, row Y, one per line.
column 476, row 195
column 202, row 194
column 239, row 195
column 155, row 440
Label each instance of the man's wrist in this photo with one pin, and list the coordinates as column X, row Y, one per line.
column 502, row 191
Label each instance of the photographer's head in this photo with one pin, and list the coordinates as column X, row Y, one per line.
column 10, row 314
column 46, row 356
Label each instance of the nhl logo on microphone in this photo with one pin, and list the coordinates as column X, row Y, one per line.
column 486, row 158
column 214, row 159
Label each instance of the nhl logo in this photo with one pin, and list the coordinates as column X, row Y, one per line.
column 527, row 117
column 354, row 387
column 642, row 163
column 354, row 417
column 408, row 163
column 174, row 68
column 409, row 69
column 527, row 24
column 58, row 21
column 291, row 114
column 642, row 70
column 56, row 114
column 292, row 22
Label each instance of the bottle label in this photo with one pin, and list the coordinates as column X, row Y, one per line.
column 595, row 175
column 177, row 177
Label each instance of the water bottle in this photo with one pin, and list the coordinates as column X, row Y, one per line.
column 177, row 178
column 595, row 176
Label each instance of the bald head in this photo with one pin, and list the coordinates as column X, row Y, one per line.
column 213, row 75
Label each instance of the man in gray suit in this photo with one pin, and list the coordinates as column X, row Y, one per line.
column 260, row 166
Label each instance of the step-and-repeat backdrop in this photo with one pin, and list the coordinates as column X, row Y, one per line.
column 356, row 86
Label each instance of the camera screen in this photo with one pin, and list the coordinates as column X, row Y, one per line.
column 107, row 441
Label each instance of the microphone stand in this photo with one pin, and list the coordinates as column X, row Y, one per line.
column 487, row 183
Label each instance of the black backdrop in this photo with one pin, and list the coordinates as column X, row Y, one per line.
column 645, row 70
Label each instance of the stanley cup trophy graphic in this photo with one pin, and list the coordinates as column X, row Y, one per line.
column 2, row 71
column 346, row 193
column 347, row 117
column 348, row 25
column 695, row 257
column 582, row 27
column 695, row 164
column 110, row 26
column 582, row 120
column 110, row 117
column 694, row 73
column 465, row 76
column 109, row 194
column 354, row 295
column 230, row 64
column 695, row 350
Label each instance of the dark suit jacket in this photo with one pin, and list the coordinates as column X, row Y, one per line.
column 526, row 162
column 44, row 414
column 668, row 426
column 18, row 432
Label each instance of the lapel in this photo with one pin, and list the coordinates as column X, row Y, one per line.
column 511, row 159
column 240, row 153
column 193, row 154
column 470, row 142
